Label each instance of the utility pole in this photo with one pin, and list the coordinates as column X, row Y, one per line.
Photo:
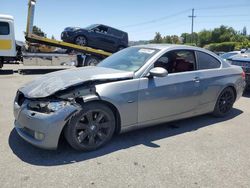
column 192, row 26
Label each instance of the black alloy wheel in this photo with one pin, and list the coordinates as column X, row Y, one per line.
column 81, row 40
column 91, row 128
column 225, row 102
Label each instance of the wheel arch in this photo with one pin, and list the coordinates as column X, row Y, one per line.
column 232, row 86
column 234, row 90
column 116, row 113
column 81, row 34
column 110, row 105
column 222, row 88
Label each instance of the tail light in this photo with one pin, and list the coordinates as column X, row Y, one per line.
column 243, row 75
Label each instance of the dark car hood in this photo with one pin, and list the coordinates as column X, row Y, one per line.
column 61, row 80
column 72, row 28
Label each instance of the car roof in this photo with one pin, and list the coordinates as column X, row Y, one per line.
column 7, row 17
column 165, row 47
column 172, row 46
column 158, row 46
column 111, row 27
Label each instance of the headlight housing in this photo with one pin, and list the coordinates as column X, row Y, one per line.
column 46, row 106
column 55, row 106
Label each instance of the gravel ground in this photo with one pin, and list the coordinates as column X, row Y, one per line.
column 199, row 152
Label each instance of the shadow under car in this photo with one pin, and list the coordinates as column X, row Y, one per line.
column 146, row 136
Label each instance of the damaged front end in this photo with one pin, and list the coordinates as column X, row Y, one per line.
column 69, row 100
column 44, row 106
column 41, row 121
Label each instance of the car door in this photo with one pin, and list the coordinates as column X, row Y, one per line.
column 172, row 96
column 211, row 80
column 7, row 38
column 102, row 39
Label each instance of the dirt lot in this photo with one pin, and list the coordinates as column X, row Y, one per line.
column 198, row 152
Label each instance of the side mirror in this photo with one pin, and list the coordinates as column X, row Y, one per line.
column 158, row 72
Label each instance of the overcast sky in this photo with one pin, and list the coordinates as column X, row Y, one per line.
column 140, row 18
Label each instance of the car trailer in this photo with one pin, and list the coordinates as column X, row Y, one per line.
column 86, row 55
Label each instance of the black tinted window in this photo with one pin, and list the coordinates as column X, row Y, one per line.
column 206, row 61
column 4, row 28
column 102, row 29
column 115, row 33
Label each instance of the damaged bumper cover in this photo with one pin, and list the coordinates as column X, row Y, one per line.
column 41, row 129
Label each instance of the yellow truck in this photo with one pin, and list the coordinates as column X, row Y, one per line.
column 9, row 49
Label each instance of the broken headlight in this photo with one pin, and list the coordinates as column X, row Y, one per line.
column 46, row 107
column 55, row 106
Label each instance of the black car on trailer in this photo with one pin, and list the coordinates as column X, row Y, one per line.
column 96, row 36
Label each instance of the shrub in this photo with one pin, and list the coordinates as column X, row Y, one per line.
column 221, row 47
column 227, row 46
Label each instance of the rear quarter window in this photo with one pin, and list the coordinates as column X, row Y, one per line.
column 4, row 28
column 115, row 33
column 206, row 61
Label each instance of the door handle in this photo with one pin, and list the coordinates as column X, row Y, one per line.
column 196, row 79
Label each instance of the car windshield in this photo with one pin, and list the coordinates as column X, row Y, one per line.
column 129, row 59
column 91, row 26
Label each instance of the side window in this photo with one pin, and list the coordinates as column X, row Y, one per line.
column 115, row 33
column 177, row 61
column 206, row 61
column 102, row 29
column 4, row 28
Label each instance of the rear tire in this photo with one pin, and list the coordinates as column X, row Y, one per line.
column 91, row 61
column 224, row 103
column 91, row 128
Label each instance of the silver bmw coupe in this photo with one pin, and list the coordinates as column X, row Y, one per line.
column 136, row 87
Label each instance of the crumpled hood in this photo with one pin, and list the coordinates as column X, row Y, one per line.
column 60, row 80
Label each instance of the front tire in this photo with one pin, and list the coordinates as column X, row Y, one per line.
column 224, row 103
column 81, row 40
column 90, row 128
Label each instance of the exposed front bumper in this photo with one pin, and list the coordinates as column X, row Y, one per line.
column 39, row 129
column 67, row 37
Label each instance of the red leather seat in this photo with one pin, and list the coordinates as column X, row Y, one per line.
column 182, row 65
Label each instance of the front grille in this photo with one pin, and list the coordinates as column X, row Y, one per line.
column 20, row 98
column 64, row 34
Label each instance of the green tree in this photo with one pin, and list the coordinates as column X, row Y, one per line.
column 167, row 39
column 157, row 38
column 222, row 34
column 38, row 31
column 186, row 37
column 175, row 39
column 244, row 31
column 204, row 37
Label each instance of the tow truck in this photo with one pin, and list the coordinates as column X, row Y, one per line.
column 10, row 50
